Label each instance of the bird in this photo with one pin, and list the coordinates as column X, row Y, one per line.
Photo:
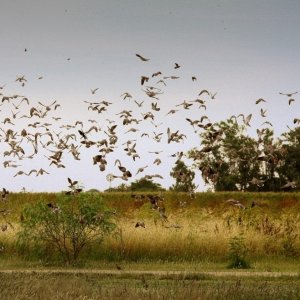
column 156, row 74
column 144, row 79
column 291, row 100
column 4, row 194
column 141, row 57
column 203, row 92
column 288, row 94
column 93, row 91
column 260, row 100
column 139, row 104
column 236, row 203
column 126, row 95
column 263, row 112
column 141, row 169
column 176, row 66
column 289, row 185
column 140, row 224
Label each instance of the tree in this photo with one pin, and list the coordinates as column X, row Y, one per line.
column 228, row 158
column 145, row 184
column 184, row 178
column 66, row 226
column 289, row 171
column 120, row 188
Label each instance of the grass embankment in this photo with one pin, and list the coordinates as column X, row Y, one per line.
column 196, row 235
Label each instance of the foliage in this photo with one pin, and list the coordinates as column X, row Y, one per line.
column 68, row 225
column 145, row 184
column 230, row 160
column 120, row 188
column 237, row 253
column 290, row 168
column 184, row 178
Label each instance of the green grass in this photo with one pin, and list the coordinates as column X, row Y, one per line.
column 45, row 286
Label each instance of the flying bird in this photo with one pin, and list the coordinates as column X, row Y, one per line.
column 94, row 90
column 177, row 66
column 288, row 94
column 141, row 57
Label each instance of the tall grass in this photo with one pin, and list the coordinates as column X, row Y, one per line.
column 199, row 229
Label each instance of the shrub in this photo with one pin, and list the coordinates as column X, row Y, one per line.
column 237, row 253
column 66, row 226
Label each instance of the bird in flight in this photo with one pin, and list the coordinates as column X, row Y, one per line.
column 260, row 100
column 94, row 90
column 288, row 94
column 141, row 57
column 177, row 66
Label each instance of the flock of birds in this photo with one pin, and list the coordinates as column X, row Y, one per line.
column 36, row 130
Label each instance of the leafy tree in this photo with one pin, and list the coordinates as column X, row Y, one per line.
column 120, row 188
column 289, row 170
column 145, row 184
column 184, row 177
column 66, row 226
column 270, row 157
column 228, row 158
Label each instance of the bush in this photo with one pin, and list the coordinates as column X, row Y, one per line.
column 237, row 253
column 66, row 226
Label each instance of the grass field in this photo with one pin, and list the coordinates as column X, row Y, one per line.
column 59, row 285
column 199, row 235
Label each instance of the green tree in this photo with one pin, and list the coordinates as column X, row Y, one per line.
column 228, row 157
column 289, row 170
column 145, row 184
column 120, row 188
column 184, row 177
column 66, row 226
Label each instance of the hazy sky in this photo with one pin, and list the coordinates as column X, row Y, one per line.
column 243, row 50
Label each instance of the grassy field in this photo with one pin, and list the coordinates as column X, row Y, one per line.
column 198, row 238
column 56, row 285
column 196, row 230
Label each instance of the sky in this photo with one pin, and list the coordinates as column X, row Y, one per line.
column 241, row 50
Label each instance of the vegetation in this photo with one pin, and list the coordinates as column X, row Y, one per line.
column 184, row 178
column 67, row 225
column 87, row 285
column 140, row 185
column 237, row 253
column 230, row 160
column 199, row 229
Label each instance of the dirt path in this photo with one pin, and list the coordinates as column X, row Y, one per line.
column 153, row 273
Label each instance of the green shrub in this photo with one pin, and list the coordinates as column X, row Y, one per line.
column 66, row 226
column 237, row 253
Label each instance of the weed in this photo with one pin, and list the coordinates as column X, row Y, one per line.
column 237, row 253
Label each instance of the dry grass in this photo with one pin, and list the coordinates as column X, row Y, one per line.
column 199, row 230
